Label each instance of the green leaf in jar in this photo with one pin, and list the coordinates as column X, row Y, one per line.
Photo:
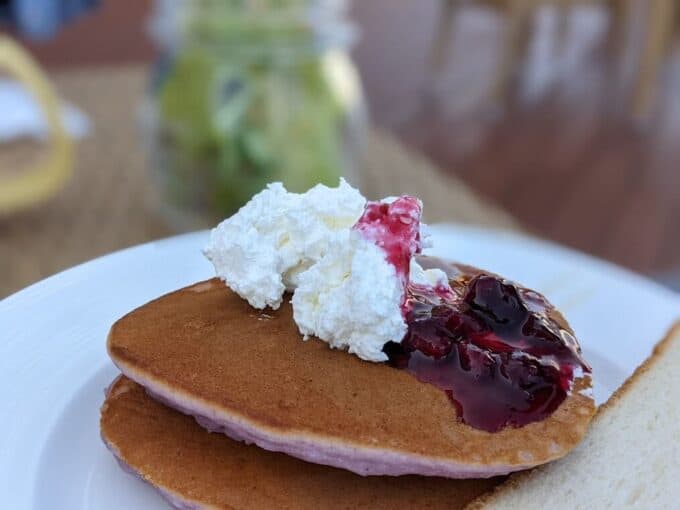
column 186, row 115
column 231, row 98
column 257, row 150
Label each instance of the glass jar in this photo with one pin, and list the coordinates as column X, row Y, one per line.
column 248, row 92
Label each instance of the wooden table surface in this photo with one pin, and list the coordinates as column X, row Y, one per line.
column 561, row 154
column 110, row 202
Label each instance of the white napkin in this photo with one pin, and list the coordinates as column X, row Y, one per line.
column 21, row 117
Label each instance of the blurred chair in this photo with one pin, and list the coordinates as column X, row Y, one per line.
column 663, row 19
column 518, row 15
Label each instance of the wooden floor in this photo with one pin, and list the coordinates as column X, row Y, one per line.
column 561, row 153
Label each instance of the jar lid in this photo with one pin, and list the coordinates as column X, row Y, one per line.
column 253, row 24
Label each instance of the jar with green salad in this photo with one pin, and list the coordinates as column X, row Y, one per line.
column 248, row 92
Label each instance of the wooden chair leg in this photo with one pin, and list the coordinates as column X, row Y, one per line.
column 659, row 34
column 438, row 53
column 619, row 24
column 437, row 56
column 516, row 42
column 442, row 38
column 563, row 22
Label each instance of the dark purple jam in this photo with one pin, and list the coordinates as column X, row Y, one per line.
column 491, row 345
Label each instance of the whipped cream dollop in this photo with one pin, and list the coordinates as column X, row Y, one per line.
column 347, row 261
column 354, row 296
column 435, row 278
column 351, row 299
column 260, row 251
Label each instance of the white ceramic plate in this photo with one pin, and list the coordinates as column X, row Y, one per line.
column 54, row 369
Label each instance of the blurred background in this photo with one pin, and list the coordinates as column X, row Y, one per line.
column 126, row 121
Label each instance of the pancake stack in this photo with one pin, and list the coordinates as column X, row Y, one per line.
column 224, row 406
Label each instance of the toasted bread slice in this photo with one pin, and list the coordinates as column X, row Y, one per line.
column 205, row 351
column 194, row 469
column 630, row 458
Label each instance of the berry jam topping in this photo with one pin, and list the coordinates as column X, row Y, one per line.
column 492, row 346
column 394, row 227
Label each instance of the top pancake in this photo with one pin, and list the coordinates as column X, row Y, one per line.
column 204, row 345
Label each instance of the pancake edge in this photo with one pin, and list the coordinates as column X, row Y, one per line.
column 359, row 459
column 173, row 498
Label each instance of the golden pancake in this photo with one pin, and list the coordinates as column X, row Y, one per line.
column 204, row 350
column 196, row 469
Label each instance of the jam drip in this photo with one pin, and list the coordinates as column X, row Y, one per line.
column 395, row 227
column 492, row 346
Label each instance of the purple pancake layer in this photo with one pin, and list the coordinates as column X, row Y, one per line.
column 359, row 459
